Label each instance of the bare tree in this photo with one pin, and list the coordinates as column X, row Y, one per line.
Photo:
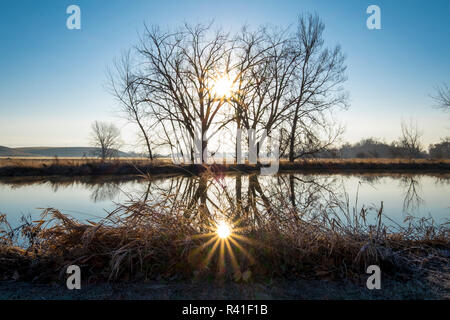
column 280, row 80
column 410, row 139
column 316, row 87
column 250, row 99
column 181, row 70
column 312, row 137
column 288, row 81
column 126, row 87
column 266, row 68
column 105, row 137
column 442, row 97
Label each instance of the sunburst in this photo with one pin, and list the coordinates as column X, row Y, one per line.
column 223, row 87
column 223, row 239
column 223, row 230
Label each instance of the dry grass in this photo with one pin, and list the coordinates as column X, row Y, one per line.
column 77, row 161
column 173, row 239
column 86, row 166
column 39, row 162
column 373, row 160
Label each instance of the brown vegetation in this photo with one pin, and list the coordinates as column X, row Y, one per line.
column 170, row 239
column 83, row 166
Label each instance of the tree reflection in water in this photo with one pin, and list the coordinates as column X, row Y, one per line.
column 173, row 218
column 412, row 190
column 245, row 197
column 104, row 191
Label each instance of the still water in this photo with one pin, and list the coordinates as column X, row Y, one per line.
column 90, row 198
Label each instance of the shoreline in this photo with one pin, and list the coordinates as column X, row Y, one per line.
column 80, row 167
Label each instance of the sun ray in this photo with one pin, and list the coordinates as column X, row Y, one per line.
column 211, row 253
column 204, row 235
column 244, row 239
column 204, row 245
column 234, row 262
column 222, row 257
column 245, row 252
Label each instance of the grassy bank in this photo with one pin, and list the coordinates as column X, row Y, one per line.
column 170, row 237
column 11, row 167
column 162, row 242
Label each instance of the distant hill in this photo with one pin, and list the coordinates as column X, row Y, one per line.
column 51, row 152
column 12, row 152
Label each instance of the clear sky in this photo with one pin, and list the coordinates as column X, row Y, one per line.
column 52, row 80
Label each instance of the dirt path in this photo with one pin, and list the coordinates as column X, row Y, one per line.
column 280, row 289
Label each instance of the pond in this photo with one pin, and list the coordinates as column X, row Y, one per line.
column 92, row 198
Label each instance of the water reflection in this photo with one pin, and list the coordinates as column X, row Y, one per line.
column 248, row 197
column 104, row 191
column 236, row 196
column 239, row 197
column 412, row 199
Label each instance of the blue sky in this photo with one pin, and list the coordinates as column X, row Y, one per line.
column 52, row 80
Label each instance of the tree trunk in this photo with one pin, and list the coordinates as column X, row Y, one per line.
column 292, row 138
column 203, row 155
column 239, row 193
column 238, row 146
column 292, row 189
column 147, row 142
column 257, row 151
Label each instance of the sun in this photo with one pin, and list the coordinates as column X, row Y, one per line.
column 224, row 239
column 223, row 87
column 223, row 230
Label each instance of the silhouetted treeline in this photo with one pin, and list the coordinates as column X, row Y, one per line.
column 440, row 150
column 373, row 148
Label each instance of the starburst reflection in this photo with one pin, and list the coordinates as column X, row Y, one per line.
column 223, row 230
column 225, row 241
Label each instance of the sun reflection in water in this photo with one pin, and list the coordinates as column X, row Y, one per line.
column 226, row 242
column 223, row 230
